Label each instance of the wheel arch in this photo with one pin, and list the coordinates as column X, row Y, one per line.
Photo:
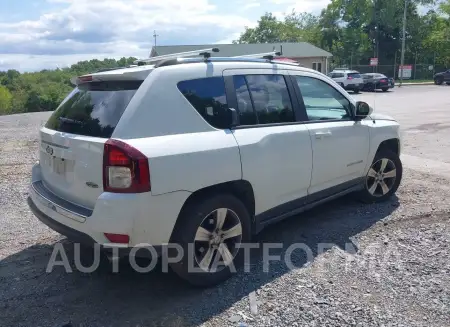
column 241, row 189
column 392, row 144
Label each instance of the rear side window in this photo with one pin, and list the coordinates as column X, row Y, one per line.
column 247, row 114
column 269, row 98
column 354, row 75
column 93, row 109
column 207, row 96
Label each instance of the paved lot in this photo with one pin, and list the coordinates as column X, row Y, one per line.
column 423, row 112
column 385, row 265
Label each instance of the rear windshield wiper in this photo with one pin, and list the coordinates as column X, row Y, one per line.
column 70, row 121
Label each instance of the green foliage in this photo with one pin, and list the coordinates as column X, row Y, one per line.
column 5, row 100
column 44, row 90
column 356, row 30
column 295, row 28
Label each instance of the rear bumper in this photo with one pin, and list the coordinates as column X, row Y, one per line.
column 148, row 220
column 70, row 233
column 383, row 86
column 354, row 86
column 82, row 238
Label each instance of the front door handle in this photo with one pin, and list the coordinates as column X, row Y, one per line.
column 320, row 135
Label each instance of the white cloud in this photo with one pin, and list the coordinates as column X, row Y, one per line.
column 229, row 39
column 86, row 29
column 113, row 28
column 314, row 6
column 250, row 5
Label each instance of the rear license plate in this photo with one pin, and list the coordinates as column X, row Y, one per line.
column 57, row 165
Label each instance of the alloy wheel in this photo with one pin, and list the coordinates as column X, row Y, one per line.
column 217, row 240
column 381, row 177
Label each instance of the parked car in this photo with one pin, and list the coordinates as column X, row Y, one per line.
column 347, row 79
column 442, row 77
column 170, row 154
column 376, row 81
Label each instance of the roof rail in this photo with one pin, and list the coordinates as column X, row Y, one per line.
column 206, row 53
column 265, row 55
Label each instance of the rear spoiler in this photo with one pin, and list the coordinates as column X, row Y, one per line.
column 132, row 73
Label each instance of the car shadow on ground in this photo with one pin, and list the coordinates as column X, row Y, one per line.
column 30, row 296
column 362, row 92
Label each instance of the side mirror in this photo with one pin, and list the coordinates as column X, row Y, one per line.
column 234, row 117
column 362, row 110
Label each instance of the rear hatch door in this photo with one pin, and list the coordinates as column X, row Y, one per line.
column 355, row 78
column 72, row 141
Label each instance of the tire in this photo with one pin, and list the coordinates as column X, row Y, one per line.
column 371, row 193
column 438, row 80
column 448, row 83
column 384, row 89
column 342, row 85
column 203, row 213
column 356, row 91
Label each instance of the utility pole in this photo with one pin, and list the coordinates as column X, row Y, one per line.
column 402, row 58
column 155, row 36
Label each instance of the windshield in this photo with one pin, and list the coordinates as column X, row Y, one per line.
column 93, row 109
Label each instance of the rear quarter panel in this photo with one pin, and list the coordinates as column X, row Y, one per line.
column 185, row 152
column 189, row 162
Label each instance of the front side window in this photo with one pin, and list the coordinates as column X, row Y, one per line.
column 269, row 98
column 322, row 101
column 207, row 96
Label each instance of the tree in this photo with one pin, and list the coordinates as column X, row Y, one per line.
column 268, row 30
column 44, row 90
column 5, row 100
column 296, row 27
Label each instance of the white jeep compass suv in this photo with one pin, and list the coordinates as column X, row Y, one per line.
column 205, row 153
column 348, row 79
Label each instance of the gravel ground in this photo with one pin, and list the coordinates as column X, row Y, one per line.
column 383, row 265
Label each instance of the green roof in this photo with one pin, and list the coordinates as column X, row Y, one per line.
column 297, row 50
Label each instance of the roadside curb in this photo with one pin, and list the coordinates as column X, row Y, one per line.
column 414, row 84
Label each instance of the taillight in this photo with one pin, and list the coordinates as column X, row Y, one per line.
column 383, row 80
column 117, row 238
column 125, row 169
column 87, row 78
column 349, row 77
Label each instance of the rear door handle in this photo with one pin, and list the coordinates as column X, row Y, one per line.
column 320, row 135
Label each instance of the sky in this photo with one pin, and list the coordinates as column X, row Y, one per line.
column 47, row 34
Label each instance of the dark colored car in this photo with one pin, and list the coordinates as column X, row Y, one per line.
column 376, row 81
column 440, row 78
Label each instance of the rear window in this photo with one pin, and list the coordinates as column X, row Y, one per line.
column 93, row 109
column 337, row 75
column 354, row 75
